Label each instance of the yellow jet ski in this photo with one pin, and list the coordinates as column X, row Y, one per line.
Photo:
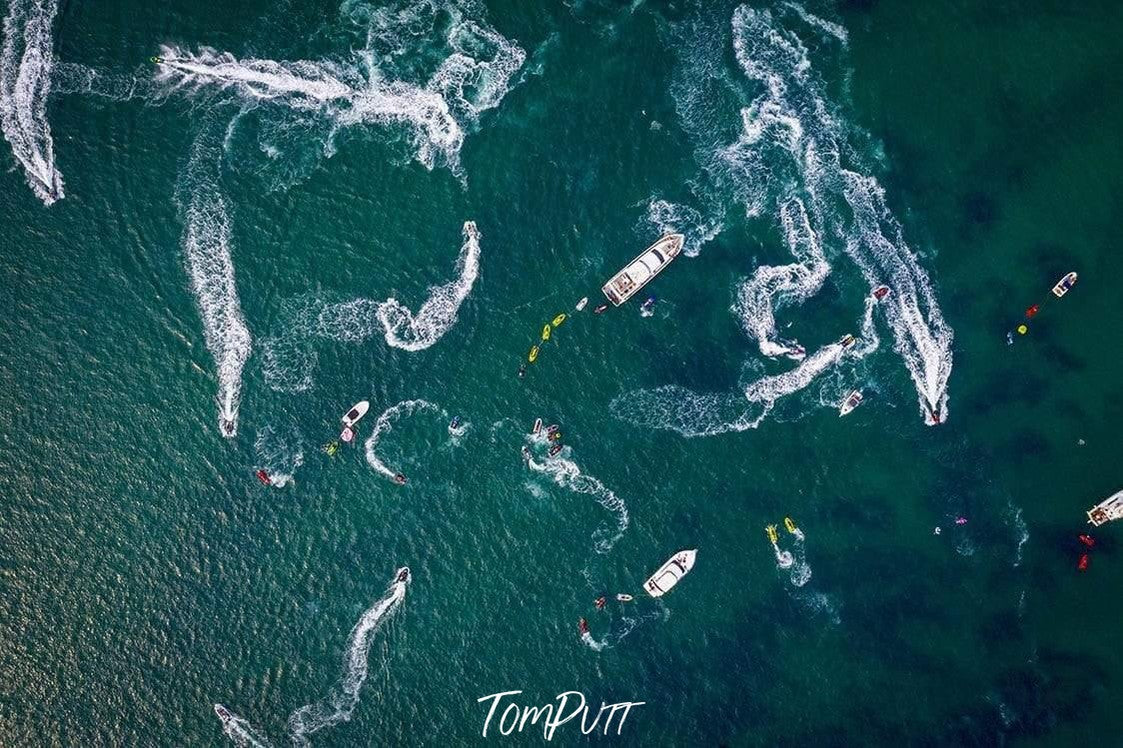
column 558, row 320
column 533, row 354
column 546, row 333
column 790, row 525
column 156, row 60
column 771, row 530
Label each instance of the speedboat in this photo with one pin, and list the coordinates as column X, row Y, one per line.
column 669, row 574
column 351, row 417
column 1064, row 285
column 223, row 713
column 853, row 400
column 640, row 271
column 403, row 575
column 1107, row 510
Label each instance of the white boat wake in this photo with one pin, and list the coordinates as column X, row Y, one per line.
column 210, row 268
column 385, row 424
column 438, row 314
column 26, row 60
column 793, row 160
column 341, row 701
column 473, row 77
column 568, row 475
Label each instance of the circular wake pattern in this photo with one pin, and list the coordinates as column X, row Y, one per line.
column 385, row 424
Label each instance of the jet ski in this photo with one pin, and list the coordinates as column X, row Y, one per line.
column 522, row 371
column 554, row 436
column 545, row 333
column 1032, row 311
column 555, row 449
column 582, row 304
column 403, row 574
column 399, row 479
column 582, row 626
column 624, row 597
column 454, row 424
column 847, row 341
column 600, row 309
column 770, row 530
column 156, row 61
column 556, row 321
column 1082, row 564
column 600, row 602
column 790, row 525
column 228, row 427
column 223, row 713
column 795, row 352
column 881, row 292
column 347, row 435
column 552, row 428
column 853, row 400
column 331, row 448
column 647, row 306
column 526, row 454
column 533, row 355
column 1064, row 285
column 1087, row 540
column 537, row 426
column 264, row 477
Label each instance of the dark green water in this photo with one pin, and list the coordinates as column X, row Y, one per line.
column 147, row 574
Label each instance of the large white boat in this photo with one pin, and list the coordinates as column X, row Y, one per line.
column 670, row 573
column 625, row 284
column 1107, row 510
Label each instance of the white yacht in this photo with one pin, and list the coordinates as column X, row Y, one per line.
column 670, row 573
column 636, row 274
column 1107, row 510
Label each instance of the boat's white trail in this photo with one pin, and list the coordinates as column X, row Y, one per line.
column 793, row 114
column 438, row 314
column 477, row 71
column 26, row 59
column 340, row 702
column 243, row 734
column 799, row 571
column 690, row 413
column 568, row 475
column 769, row 389
column 674, row 218
column 385, row 424
column 787, row 284
column 210, row 269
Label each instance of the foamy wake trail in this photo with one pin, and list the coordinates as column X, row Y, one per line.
column 279, row 452
column 799, row 571
column 26, row 60
column 788, row 284
column 474, row 77
column 340, row 702
column 567, row 474
column 793, row 115
column 243, row 734
column 385, row 424
column 689, row 413
column 669, row 218
column 769, row 389
column 438, row 314
column 210, row 268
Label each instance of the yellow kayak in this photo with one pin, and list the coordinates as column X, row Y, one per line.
column 789, row 524
column 558, row 320
column 771, row 530
column 546, row 333
column 533, row 354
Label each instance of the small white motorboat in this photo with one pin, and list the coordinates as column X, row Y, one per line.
column 670, row 573
column 1064, row 285
column 853, row 400
column 582, row 304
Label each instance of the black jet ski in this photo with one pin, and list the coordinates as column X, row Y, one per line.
column 400, row 479
column 403, row 574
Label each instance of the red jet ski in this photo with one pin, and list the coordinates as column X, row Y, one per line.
column 600, row 602
column 1087, row 540
column 1082, row 564
column 582, row 626
column 1031, row 312
column 881, row 292
column 264, row 477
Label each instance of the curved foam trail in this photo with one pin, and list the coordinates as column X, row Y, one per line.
column 437, row 113
column 788, row 284
column 438, row 314
column 385, row 424
column 26, row 60
column 243, row 734
column 341, row 701
column 794, row 115
column 210, row 268
column 771, row 388
column 567, row 474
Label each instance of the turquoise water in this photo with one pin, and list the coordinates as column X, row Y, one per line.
column 147, row 574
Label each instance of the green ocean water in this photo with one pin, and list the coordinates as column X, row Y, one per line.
column 147, row 574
